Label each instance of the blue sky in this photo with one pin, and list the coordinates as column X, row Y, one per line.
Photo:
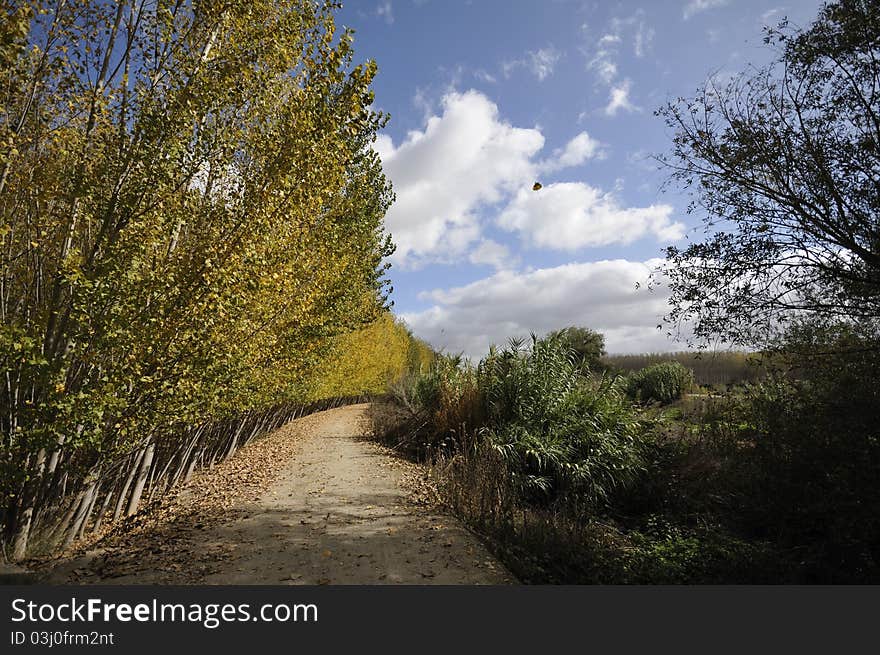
column 487, row 97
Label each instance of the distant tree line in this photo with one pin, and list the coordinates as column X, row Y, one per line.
column 718, row 368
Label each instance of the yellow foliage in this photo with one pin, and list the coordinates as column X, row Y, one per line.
column 368, row 360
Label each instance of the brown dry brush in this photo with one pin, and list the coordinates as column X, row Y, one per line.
column 74, row 494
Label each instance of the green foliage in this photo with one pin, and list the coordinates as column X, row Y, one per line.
column 779, row 479
column 662, row 383
column 587, row 345
column 565, row 437
column 810, row 477
column 782, row 163
column 789, row 464
column 668, row 554
column 774, row 482
column 528, row 385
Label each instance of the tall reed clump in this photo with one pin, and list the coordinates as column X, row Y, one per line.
column 433, row 409
column 566, row 477
column 565, row 437
column 560, row 434
column 526, row 446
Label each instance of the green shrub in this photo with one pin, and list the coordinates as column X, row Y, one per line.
column 812, row 475
column 805, row 471
column 668, row 554
column 569, row 481
column 719, row 369
column 565, row 438
column 663, row 383
column 527, row 385
column 587, row 346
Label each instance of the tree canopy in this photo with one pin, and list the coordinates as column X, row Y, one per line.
column 784, row 164
column 587, row 345
column 190, row 222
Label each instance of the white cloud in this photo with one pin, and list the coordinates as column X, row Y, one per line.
column 603, row 61
column 468, row 162
column 386, row 11
column 601, row 295
column 543, row 61
column 619, row 99
column 643, row 39
column 492, row 253
column 602, row 58
column 578, row 150
column 385, row 147
column 540, row 62
column 465, row 158
column 581, row 148
column 608, row 40
column 573, row 215
column 422, row 101
column 697, row 6
column 482, row 75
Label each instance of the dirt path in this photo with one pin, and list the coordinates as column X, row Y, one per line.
column 335, row 510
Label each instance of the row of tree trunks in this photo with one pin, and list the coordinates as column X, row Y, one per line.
column 59, row 506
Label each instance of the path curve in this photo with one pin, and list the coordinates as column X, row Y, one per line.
column 336, row 512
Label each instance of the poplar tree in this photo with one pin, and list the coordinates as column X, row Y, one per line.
column 191, row 212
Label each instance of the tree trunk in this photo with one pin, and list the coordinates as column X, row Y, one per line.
column 61, row 528
column 234, row 443
column 144, row 471
column 103, row 511
column 88, row 514
column 120, row 502
column 188, row 456
column 25, row 513
column 86, row 499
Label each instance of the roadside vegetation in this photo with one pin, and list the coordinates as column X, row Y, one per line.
column 573, row 478
column 192, row 253
column 597, row 469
